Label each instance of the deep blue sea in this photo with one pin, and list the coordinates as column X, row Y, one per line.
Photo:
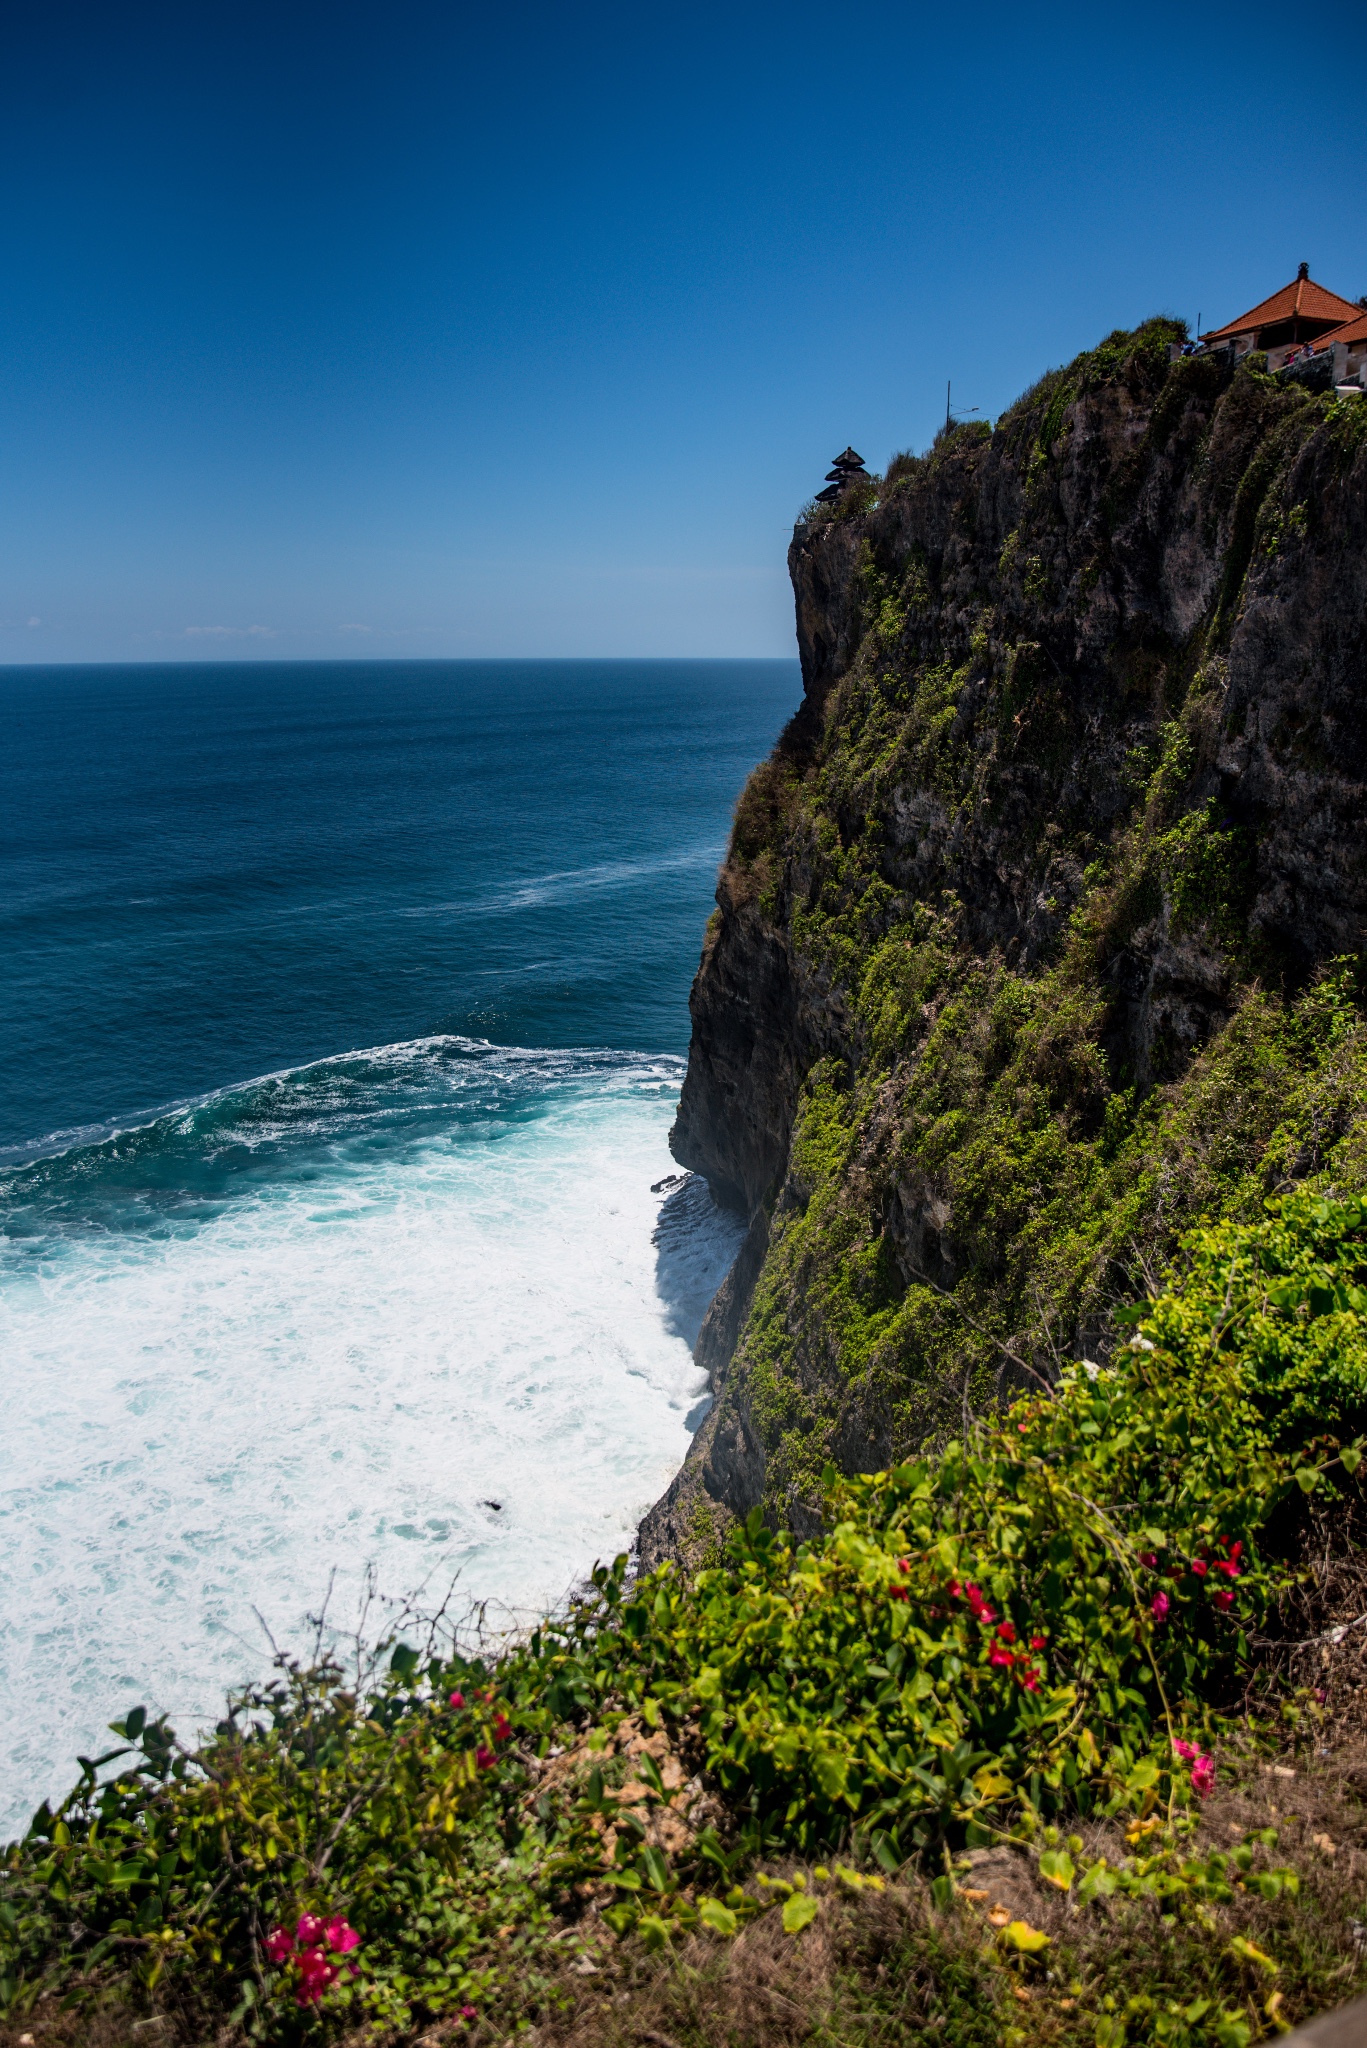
column 342, row 1023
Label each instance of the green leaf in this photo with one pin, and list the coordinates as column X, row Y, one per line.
column 1056, row 1867
column 649, row 1771
column 656, row 1870
column 1099, row 1881
column 405, row 1661
column 1307, row 1477
column 1351, row 1456
column 1027, row 1940
column 653, row 1931
column 718, row 1917
column 798, row 1912
column 1245, row 1952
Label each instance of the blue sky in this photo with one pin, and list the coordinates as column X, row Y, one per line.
column 420, row 330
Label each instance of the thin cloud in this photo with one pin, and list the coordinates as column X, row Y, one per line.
column 230, row 632
column 355, row 628
column 35, row 622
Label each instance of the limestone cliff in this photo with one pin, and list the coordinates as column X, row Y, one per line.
column 1036, row 936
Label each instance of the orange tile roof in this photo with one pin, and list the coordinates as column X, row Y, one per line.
column 1351, row 330
column 1301, row 299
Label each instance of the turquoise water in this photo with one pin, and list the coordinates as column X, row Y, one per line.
column 342, row 1028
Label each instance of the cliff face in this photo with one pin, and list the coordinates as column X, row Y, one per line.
column 1031, row 939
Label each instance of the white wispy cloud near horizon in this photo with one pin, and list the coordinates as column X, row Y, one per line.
column 354, row 626
column 230, row 633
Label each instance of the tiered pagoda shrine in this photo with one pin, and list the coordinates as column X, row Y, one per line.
column 842, row 472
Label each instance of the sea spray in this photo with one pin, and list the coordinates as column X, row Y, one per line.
column 417, row 1308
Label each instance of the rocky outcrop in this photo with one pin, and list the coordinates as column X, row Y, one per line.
column 1084, row 701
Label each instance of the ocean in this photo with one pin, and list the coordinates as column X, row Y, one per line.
column 343, row 1020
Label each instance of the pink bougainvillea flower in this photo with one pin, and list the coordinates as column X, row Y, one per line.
column 1203, row 1776
column 279, row 1944
column 485, row 1758
column 1200, row 1567
column 954, row 1589
column 898, row 1593
column 309, row 1932
column 1038, row 1642
column 1224, row 1598
column 1159, row 1605
column 1001, row 1656
column 502, row 1728
column 1007, row 1632
column 1030, row 1680
column 341, row 1937
column 467, row 2012
column 1230, row 1565
column 458, row 1699
column 315, row 1976
column 1148, row 1558
column 1186, row 1750
column 1024, row 1428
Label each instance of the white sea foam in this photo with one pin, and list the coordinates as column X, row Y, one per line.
column 339, row 1366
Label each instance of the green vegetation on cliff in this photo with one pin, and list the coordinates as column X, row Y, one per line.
column 1061, row 862
column 1032, row 1631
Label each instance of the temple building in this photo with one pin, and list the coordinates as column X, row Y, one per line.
column 1301, row 318
column 843, row 471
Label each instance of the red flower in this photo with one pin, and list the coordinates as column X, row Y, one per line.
column 279, row 1944
column 502, row 1728
column 1158, row 1606
column 1007, row 1632
column 1030, row 1680
column 898, row 1593
column 315, row 1975
column 1230, row 1565
column 954, row 1589
column 1038, row 1642
column 458, row 1699
column 341, row 1937
column 1203, row 1776
column 1024, row 1428
column 1002, row 1657
column 1225, row 1598
column 309, row 1932
column 484, row 1758
column 1186, row 1750
column 1200, row 1567
column 1148, row 1558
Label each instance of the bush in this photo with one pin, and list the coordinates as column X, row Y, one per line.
column 1042, row 1619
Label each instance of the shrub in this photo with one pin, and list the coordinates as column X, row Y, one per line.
column 1043, row 1618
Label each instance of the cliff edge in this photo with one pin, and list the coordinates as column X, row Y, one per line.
column 1037, row 938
